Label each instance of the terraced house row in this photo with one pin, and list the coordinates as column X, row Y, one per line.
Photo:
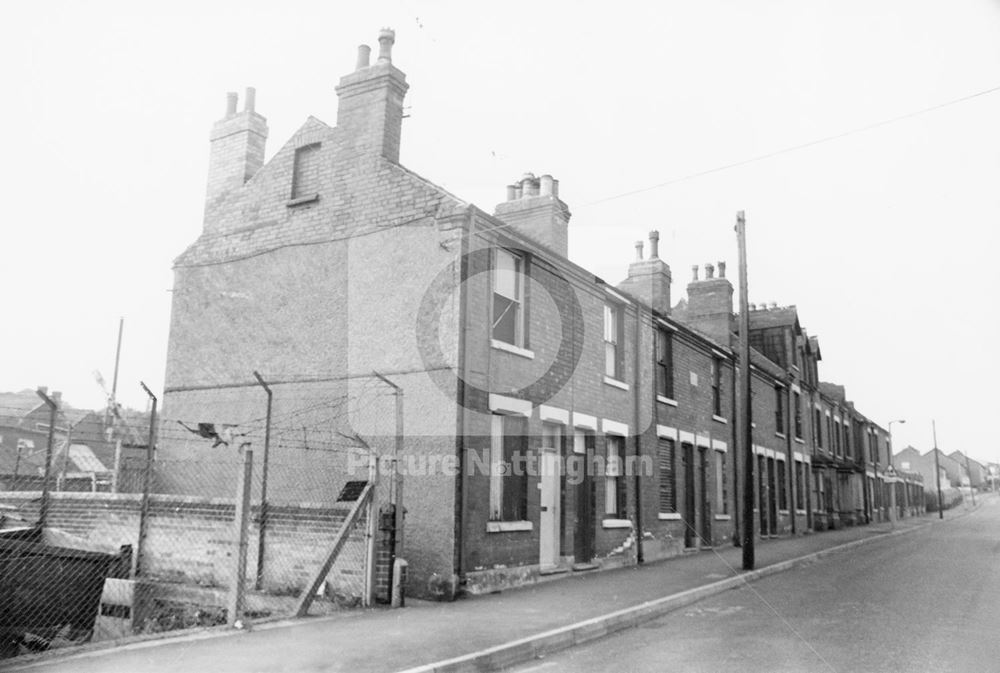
column 589, row 424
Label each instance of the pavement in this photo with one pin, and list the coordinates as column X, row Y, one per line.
column 918, row 603
column 476, row 633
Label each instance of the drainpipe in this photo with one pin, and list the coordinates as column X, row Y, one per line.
column 636, row 401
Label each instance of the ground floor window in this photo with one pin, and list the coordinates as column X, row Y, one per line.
column 722, row 497
column 665, row 450
column 508, row 473
column 780, row 478
column 614, row 482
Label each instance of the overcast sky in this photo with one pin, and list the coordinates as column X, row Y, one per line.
column 885, row 239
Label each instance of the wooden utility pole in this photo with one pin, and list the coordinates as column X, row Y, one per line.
column 743, row 409
column 937, row 471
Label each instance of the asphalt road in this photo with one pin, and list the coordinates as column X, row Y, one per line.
column 928, row 601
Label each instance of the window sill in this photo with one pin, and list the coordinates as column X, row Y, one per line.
column 783, row 511
column 669, row 516
column 666, row 400
column 801, row 511
column 780, row 434
column 800, row 440
column 301, row 200
column 616, row 523
column 723, row 517
column 511, row 348
column 719, row 419
column 508, row 526
column 615, row 382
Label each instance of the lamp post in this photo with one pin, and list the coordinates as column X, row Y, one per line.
column 892, row 475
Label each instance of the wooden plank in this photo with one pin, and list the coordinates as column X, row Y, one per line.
column 307, row 595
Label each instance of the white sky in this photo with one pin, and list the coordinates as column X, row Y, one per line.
column 886, row 240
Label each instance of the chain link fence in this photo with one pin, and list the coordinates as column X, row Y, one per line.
column 201, row 530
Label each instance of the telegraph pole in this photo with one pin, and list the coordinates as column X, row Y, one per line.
column 743, row 409
column 937, row 470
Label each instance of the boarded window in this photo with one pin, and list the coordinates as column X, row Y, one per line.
column 305, row 179
column 668, row 488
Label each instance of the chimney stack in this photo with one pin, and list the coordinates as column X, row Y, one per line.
column 710, row 304
column 649, row 279
column 236, row 150
column 534, row 209
column 370, row 108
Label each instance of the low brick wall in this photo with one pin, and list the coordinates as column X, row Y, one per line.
column 191, row 539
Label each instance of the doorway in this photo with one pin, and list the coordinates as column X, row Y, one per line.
column 687, row 464
column 550, row 471
column 706, row 510
column 583, row 531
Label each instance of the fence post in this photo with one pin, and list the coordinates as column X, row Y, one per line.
column 371, row 533
column 146, row 483
column 241, row 532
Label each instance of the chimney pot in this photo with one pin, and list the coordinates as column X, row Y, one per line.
column 511, row 192
column 386, row 38
column 722, row 269
column 654, row 244
column 57, row 396
column 250, row 99
column 231, row 103
column 545, row 185
column 709, row 271
column 517, row 191
column 638, row 251
column 694, row 272
column 364, row 57
column 555, row 188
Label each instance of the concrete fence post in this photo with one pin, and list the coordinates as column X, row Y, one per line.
column 241, row 533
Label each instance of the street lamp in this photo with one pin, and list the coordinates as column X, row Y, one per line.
column 892, row 474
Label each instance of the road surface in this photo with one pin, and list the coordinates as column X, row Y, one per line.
column 926, row 601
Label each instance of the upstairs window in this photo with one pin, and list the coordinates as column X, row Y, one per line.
column 797, row 401
column 614, row 360
column 818, row 428
column 717, row 386
column 665, row 363
column 508, row 298
column 779, row 409
column 305, row 176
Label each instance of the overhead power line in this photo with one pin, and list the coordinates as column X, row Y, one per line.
column 795, row 148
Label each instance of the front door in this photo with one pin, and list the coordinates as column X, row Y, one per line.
column 772, row 497
column 583, row 532
column 548, row 552
column 687, row 459
column 706, row 513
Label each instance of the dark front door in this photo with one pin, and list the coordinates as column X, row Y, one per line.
column 706, row 513
column 583, row 534
column 687, row 454
column 772, row 497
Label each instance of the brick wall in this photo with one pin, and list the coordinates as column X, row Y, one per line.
column 191, row 539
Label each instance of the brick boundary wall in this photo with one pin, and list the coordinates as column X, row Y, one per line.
column 190, row 539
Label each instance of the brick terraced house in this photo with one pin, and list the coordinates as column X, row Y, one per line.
column 589, row 425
